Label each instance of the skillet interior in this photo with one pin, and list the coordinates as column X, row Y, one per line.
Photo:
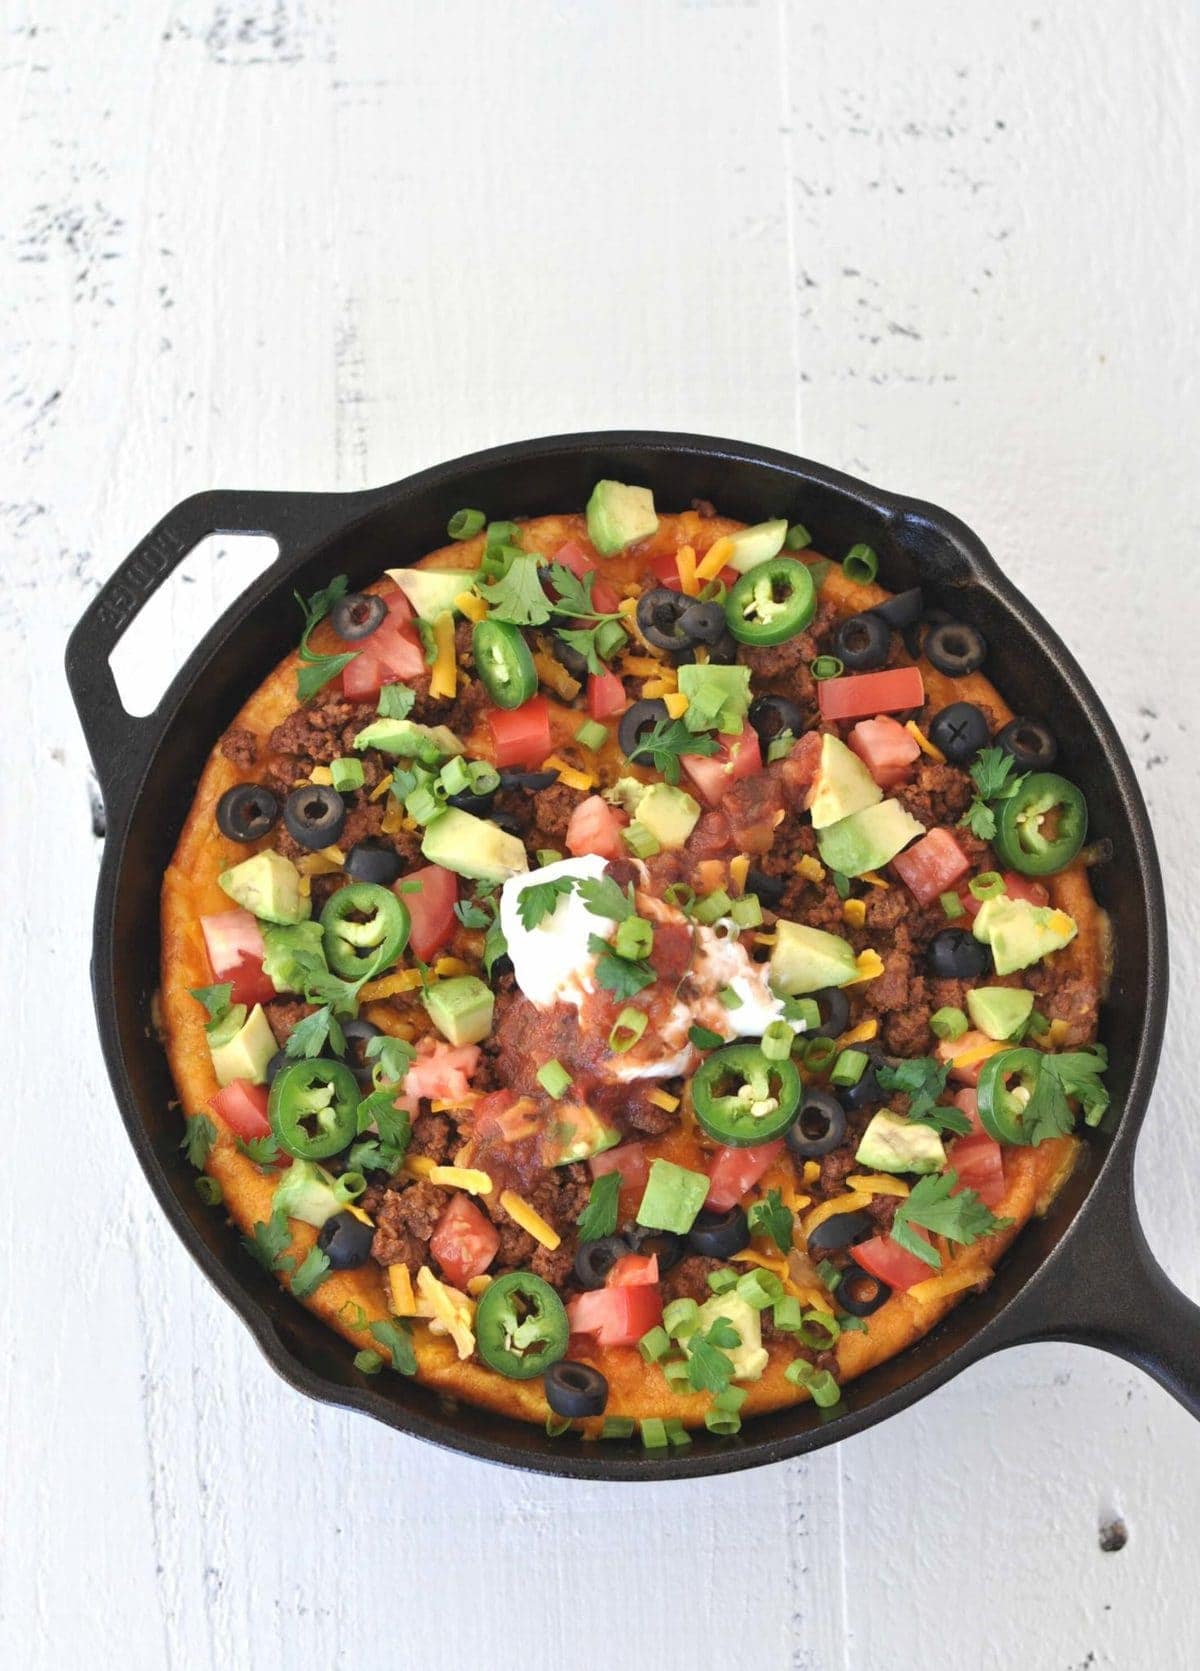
column 915, row 543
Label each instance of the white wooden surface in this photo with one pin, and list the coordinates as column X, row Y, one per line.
column 304, row 243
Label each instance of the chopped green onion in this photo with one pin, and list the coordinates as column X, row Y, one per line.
column 712, row 907
column 777, row 1041
column 819, row 1053
column 826, row 1327
column 618, row 1427
column 556, row 1426
column 849, row 1068
column 676, row 1372
column 747, row 912
column 484, row 779
column 627, row 1029
column 680, row 895
column 654, row 1345
column 677, row 1433
column 724, row 1423
column 548, row 856
column 987, row 884
column 454, row 776
column 715, row 591
column 554, row 1079
column 720, row 1282
column 501, row 533
column 759, row 1289
column 592, row 734
column 829, row 1274
column 704, row 1038
column 610, row 639
column 948, row 1023
column 860, row 564
column 732, row 1398
column 639, row 840
column 786, row 1314
column 654, row 1433
column 423, row 804
column 951, row 905
column 841, row 884
column 368, row 1362
column 349, row 1186
column 634, row 938
column 729, row 998
column 346, row 774
column 821, row 1385
column 464, row 525
column 826, row 667
column 209, row 1191
column 680, row 1318
column 797, row 537
column 806, row 1010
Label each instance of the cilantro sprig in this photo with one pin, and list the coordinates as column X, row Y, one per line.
column 517, row 596
column 624, row 977
column 932, row 1206
column 538, row 899
column 923, row 1080
column 199, row 1135
column 772, row 1219
column 216, row 999
column 709, row 1368
column 397, row 1344
column 317, row 670
column 599, row 1217
column 269, row 1243
column 309, row 1036
column 1074, row 1073
column 991, row 773
column 605, row 897
column 392, row 1058
column 666, row 741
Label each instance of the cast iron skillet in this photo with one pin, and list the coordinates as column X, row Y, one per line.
column 1084, row 1273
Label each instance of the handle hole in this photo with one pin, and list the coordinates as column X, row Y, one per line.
column 159, row 640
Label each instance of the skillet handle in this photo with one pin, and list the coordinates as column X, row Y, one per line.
column 113, row 735
column 1103, row 1287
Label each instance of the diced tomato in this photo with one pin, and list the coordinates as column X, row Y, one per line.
column 573, row 557
column 980, row 1166
column 968, row 1103
column 797, row 770
column 522, row 735
column 464, row 1242
column 629, row 1159
column 431, row 908
column 595, row 828
column 605, row 696
column 505, row 1115
column 857, row 695
column 235, row 949
column 713, row 773
column 885, row 748
column 243, row 1107
column 441, row 1070
column 931, row 866
column 734, row 1171
column 634, row 1270
column 393, row 651
column 616, row 1316
column 1016, row 887
column 753, row 806
column 891, row 1263
column 966, row 1045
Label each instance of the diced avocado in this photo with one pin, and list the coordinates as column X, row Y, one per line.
column 269, row 886
column 576, row 1133
column 717, row 696
column 626, row 792
column 306, row 1191
column 672, row 1198
column 433, row 591
column 429, row 743
column 245, row 1055
column 750, row 1358
column 867, row 840
column 893, row 1144
column 280, row 946
column 617, row 515
column 1020, row 933
column 461, row 1009
column 842, row 786
column 999, row 1011
column 669, row 814
column 473, row 847
column 752, row 546
column 807, row 959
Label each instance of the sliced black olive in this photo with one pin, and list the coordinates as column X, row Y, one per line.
column 860, row 1293
column 372, row 861
column 719, row 1235
column 769, row 889
column 358, row 1032
column 955, row 648
column 276, row 1065
column 569, row 657
column 960, row 731
column 835, row 1013
column 528, row 780
column 357, row 615
column 575, row 1389
column 1031, row 744
column 703, row 623
column 658, row 618
column 247, row 811
column 840, row 1230
column 594, row 1260
column 636, row 721
column 346, row 1241
column 503, row 965
column 904, row 610
column 914, row 633
column 820, row 1125
column 508, row 822
column 769, row 715
column 466, row 801
column 956, row 955
column 868, row 1090
column 725, row 651
column 863, row 642
column 665, row 1243
column 314, row 815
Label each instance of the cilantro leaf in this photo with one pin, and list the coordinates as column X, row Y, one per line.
column 992, row 774
column 980, row 820
column 263, row 1151
column 961, row 1218
column 372, row 1156
column 1075, row 1073
column 216, row 999
column 1079, row 1072
column 663, row 745
column 397, row 1343
column 623, row 977
column 199, row 1135
column 583, row 640
column 772, row 1219
column 574, row 591
column 517, row 597
column 395, row 701
column 495, row 946
column 540, row 898
column 392, row 1057
column 269, row 1241
column 599, row 1217
column 379, row 1110
column 922, row 1080
column 606, row 898
column 471, row 914
column 317, row 670
column 709, row 1369
column 308, row 1037
column 310, row 1273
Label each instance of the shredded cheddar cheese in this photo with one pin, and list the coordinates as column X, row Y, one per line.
column 664, row 1100
column 404, row 980
column 812, row 1171
column 848, row 1203
column 977, row 1053
column 381, row 788
column 644, row 667
column 811, row 869
column 450, row 1310
column 656, row 687
column 320, row 774
column 471, row 605
column 420, row 1165
column 322, row 863
column 568, row 774
column 466, row 1178
column 676, row 703
column 400, row 1291
column 923, row 743
column 685, row 562
column 477, row 1285
column 715, row 558
column 950, row 1282
column 739, row 869
column 873, row 879
column 865, row 1031
column 874, row 1183
column 870, row 967
column 553, row 674
column 447, row 967
column 443, row 680
column 854, row 912
column 523, row 1214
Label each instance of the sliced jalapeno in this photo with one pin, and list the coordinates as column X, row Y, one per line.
column 1044, row 803
column 520, row 1326
column 504, row 663
column 741, row 1097
column 1001, row 1105
column 365, row 927
column 313, row 1109
column 774, row 601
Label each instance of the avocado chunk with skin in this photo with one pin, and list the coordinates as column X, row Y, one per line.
column 1021, row 933
column 473, row 847
column 245, row 1055
column 269, row 886
column 999, row 1011
column 669, row 814
column 805, row 959
column 752, row 546
column 404, row 737
column 618, row 515
column 461, row 1009
column 869, row 839
column 842, row 786
column 576, row 1132
column 432, row 591
column 750, row 1357
column 893, row 1144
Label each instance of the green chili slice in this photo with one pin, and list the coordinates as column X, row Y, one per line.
column 772, row 602
column 1041, row 828
column 366, row 927
column 520, row 1326
column 742, row 1097
column 503, row 662
column 313, row 1109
